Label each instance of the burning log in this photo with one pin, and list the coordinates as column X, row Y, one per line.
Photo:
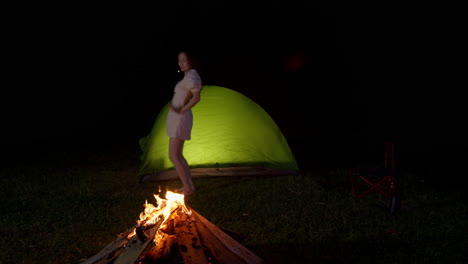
column 223, row 247
column 136, row 245
column 162, row 251
column 188, row 240
column 175, row 234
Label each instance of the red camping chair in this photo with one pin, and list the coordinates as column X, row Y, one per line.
column 381, row 179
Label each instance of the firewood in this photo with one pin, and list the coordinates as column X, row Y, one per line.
column 110, row 250
column 162, row 250
column 165, row 240
column 218, row 251
column 135, row 245
column 223, row 247
column 109, row 259
column 189, row 242
column 185, row 237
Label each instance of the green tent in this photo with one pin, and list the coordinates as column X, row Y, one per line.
column 231, row 135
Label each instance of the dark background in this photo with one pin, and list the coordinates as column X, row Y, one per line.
column 337, row 79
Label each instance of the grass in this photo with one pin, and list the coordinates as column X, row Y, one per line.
column 67, row 206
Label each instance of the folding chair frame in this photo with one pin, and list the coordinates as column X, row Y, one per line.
column 389, row 178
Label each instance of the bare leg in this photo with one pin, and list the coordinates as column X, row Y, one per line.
column 187, row 172
column 181, row 165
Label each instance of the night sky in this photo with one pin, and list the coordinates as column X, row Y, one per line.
column 334, row 78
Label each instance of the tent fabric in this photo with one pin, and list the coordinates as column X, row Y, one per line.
column 229, row 130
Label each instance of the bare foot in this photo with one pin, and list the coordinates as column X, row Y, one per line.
column 185, row 191
column 189, row 191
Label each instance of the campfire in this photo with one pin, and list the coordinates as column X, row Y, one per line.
column 172, row 232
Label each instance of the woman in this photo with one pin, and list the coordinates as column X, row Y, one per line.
column 179, row 118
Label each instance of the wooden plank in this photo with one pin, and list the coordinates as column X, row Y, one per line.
column 135, row 246
column 109, row 250
column 245, row 255
column 188, row 240
column 217, row 249
column 111, row 257
column 218, row 172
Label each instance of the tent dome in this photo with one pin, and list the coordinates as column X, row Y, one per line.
column 231, row 135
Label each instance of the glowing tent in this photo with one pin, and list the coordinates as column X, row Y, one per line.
column 231, row 135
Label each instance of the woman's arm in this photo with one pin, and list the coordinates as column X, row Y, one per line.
column 194, row 99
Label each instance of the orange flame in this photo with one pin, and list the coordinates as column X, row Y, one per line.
column 163, row 209
column 131, row 234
